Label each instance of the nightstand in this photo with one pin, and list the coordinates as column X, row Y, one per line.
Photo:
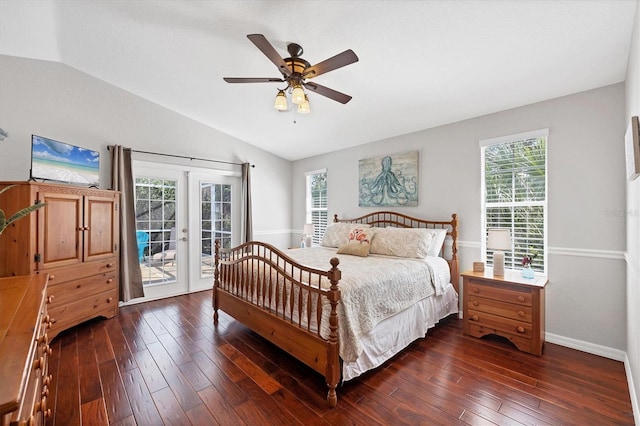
column 508, row 306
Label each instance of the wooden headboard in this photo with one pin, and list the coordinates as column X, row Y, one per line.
column 384, row 219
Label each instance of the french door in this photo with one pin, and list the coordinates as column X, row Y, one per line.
column 180, row 212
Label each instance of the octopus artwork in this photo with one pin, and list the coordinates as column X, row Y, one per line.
column 392, row 185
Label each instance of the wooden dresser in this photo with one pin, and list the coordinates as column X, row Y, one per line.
column 508, row 306
column 74, row 239
column 24, row 350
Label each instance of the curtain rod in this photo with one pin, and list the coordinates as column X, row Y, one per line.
column 183, row 156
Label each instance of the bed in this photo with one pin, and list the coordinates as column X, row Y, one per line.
column 376, row 284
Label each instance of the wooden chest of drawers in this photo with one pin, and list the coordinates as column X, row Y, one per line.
column 508, row 306
column 24, row 350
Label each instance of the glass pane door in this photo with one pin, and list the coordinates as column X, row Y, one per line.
column 216, row 219
column 162, row 250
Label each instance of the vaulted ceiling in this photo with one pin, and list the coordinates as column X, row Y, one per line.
column 421, row 63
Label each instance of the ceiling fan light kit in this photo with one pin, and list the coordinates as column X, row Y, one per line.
column 295, row 71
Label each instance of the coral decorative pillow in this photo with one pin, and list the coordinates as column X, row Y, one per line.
column 402, row 242
column 337, row 234
column 359, row 242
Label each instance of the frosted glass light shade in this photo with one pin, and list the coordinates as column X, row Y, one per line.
column 297, row 95
column 304, row 107
column 281, row 101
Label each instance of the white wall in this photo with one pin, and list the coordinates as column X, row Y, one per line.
column 632, row 97
column 56, row 101
column 586, row 294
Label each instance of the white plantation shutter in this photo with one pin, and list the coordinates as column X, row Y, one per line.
column 317, row 212
column 515, row 195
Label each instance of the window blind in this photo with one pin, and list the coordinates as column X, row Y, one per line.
column 317, row 211
column 515, row 194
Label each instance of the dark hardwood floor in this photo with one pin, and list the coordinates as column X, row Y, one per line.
column 163, row 362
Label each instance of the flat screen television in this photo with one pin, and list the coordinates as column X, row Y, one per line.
column 61, row 162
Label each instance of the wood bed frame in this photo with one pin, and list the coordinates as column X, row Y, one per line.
column 283, row 301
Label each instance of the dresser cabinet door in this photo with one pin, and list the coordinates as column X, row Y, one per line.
column 100, row 228
column 60, row 230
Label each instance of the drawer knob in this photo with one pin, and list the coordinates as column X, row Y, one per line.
column 474, row 318
column 109, row 265
column 109, row 300
column 50, row 299
column 520, row 313
column 110, row 280
column 476, row 290
column 520, row 329
column 52, row 277
column 475, row 303
column 520, row 298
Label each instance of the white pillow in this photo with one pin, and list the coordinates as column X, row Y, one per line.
column 437, row 242
column 337, row 234
column 402, row 242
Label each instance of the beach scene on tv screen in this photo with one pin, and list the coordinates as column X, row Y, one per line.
column 52, row 160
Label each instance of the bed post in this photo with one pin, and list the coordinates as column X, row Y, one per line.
column 332, row 374
column 216, row 280
column 455, row 271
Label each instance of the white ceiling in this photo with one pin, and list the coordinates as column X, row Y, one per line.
column 422, row 63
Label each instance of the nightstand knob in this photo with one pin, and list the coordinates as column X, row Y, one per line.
column 476, row 290
column 474, row 318
column 520, row 298
column 520, row 329
column 475, row 303
column 521, row 313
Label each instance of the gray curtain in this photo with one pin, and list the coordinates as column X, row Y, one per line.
column 122, row 180
column 246, row 233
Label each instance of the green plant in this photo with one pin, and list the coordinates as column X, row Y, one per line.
column 4, row 222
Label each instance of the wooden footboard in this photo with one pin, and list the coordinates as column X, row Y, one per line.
column 286, row 303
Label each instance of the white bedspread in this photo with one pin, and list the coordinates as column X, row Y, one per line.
column 374, row 288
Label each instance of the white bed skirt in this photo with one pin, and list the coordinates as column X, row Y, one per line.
column 395, row 333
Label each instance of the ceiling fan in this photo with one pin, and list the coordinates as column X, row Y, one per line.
column 295, row 72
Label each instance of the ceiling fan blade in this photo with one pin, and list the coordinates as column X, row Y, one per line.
column 329, row 93
column 252, row 80
column 265, row 47
column 340, row 60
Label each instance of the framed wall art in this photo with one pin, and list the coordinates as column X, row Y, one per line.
column 389, row 180
column 632, row 148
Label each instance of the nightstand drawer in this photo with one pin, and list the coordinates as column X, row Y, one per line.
column 502, row 325
column 495, row 307
column 502, row 292
column 523, row 343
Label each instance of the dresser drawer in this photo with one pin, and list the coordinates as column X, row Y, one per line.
column 501, row 292
column 502, row 325
column 74, row 272
column 103, row 304
column 71, row 291
column 502, row 309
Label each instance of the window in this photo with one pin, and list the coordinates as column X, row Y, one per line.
column 514, row 195
column 317, row 212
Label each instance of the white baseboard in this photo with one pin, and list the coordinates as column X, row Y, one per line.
column 632, row 391
column 591, row 348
